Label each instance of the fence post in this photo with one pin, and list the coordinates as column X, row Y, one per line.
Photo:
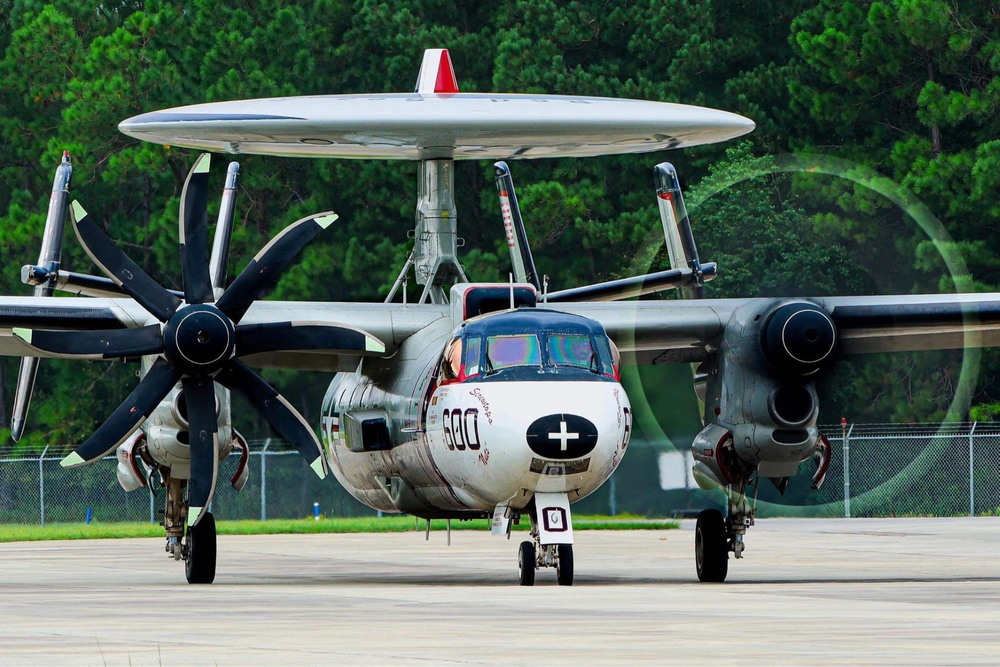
column 263, row 480
column 847, row 466
column 972, row 483
column 41, row 484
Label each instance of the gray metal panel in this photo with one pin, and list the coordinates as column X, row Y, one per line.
column 392, row 323
column 650, row 328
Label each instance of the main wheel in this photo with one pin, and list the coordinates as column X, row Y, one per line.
column 711, row 550
column 526, row 563
column 564, row 565
column 201, row 551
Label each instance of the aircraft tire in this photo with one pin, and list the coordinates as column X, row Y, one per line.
column 711, row 550
column 199, row 568
column 564, row 567
column 526, row 563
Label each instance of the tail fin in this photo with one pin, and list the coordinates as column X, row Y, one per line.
column 219, row 262
column 677, row 228
column 48, row 259
column 517, row 239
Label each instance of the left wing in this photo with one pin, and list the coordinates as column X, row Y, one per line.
column 677, row 331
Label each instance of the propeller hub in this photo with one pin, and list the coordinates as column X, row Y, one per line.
column 199, row 340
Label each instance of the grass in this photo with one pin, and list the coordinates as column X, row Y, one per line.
column 387, row 524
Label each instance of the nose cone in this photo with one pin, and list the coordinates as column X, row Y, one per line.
column 562, row 436
column 495, row 441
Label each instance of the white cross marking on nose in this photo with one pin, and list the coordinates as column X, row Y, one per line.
column 563, row 437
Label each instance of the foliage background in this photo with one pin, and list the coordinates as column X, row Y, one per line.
column 908, row 88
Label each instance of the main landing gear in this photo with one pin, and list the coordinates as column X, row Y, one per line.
column 200, row 551
column 195, row 545
column 715, row 536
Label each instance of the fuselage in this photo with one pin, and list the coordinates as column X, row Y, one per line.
column 462, row 420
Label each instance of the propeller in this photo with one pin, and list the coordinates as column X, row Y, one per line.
column 199, row 341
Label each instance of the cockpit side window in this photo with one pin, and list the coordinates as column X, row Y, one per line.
column 451, row 362
column 611, row 360
column 507, row 351
column 571, row 350
column 473, row 348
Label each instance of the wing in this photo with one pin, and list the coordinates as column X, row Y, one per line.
column 915, row 322
column 390, row 323
column 665, row 331
column 688, row 331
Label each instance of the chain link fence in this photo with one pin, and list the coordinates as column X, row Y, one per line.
column 38, row 490
column 877, row 470
column 915, row 470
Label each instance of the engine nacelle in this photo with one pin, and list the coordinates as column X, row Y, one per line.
column 761, row 405
column 797, row 338
column 132, row 471
column 167, row 437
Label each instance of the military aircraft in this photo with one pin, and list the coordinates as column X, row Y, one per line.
column 478, row 400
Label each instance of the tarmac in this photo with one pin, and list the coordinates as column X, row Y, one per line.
column 808, row 592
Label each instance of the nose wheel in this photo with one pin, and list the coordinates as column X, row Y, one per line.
column 564, row 564
column 532, row 556
column 526, row 563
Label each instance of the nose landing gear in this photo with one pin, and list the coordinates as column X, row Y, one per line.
column 531, row 556
column 551, row 543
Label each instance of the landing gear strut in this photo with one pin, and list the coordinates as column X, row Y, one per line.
column 197, row 548
column 715, row 536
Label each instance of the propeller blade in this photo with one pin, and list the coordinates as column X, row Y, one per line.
column 122, row 270
column 278, row 412
column 275, row 336
column 194, row 233
column 128, row 416
column 113, row 344
column 199, row 395
column 265, row 268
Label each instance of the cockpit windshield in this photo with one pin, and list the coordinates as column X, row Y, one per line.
column 571, row 350
column 529, row 344
column 506, row 351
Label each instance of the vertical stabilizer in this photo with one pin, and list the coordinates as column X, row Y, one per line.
column 677, row 228
column 517, row 239
column 49, row 260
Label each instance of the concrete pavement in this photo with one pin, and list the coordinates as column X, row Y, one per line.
column 809, row 592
